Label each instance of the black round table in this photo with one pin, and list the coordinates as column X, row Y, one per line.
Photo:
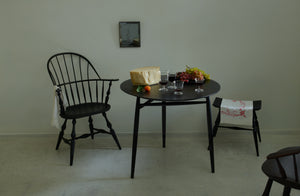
column 163, row 99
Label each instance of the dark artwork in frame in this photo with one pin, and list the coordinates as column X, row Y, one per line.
column 129, row 33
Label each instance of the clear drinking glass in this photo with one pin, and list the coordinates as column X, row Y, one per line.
column 164, row 78
column 199, row 82
column 178, row 87
column 172, row 76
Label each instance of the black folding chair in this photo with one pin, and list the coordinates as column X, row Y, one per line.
column 255, row 125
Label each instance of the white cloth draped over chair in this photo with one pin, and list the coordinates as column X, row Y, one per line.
column 236, row 112
column 56, row 120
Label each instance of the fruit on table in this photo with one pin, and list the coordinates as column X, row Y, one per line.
column 143, row 88
column 147, row 88
column 196, row 73
column 191, row 74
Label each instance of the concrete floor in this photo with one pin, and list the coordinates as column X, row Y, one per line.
column 29, row 165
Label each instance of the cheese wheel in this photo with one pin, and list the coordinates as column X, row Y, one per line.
column 145, row 75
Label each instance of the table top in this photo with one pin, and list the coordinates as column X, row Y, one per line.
column 210, row 87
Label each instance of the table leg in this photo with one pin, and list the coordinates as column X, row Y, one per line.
column 210, row 135
column 135, row 135
column 164, row 124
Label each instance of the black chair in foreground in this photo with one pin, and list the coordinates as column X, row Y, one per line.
column 254, row 128
column 283, row 167
column 82, row 93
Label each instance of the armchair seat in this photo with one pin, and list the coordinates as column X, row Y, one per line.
column 86, row 109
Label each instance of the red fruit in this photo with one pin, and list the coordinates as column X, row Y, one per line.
column 147, row 88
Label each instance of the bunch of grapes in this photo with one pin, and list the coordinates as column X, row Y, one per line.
column 191, row 74
column 196, row 73
column 183, row 76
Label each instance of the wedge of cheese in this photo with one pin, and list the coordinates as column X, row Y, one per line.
column 145, row 75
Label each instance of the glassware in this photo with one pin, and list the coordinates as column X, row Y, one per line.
column 178, row 87
column 199, row 82
column 172, row 76
column 164, row 78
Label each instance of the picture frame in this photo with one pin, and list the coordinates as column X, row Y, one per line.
column 129, row 34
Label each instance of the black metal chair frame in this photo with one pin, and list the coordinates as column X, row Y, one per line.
column 82, row 92
column 255, row 125
column 279, row 172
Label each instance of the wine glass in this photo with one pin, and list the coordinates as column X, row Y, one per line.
column 172, row 76
column 199, row 82
column 164, row 78
column 178, row 87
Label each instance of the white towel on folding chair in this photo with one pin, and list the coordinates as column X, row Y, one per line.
column 236, row 112
column 55, row 121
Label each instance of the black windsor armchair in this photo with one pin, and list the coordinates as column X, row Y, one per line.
column 81, row 93
column 283, row 167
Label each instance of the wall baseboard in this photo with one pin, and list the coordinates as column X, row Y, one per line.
column 127, row 132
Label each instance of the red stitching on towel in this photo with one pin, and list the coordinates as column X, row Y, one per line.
column 243, row 104
column 234, row 114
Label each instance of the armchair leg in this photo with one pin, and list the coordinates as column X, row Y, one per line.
column 61, row 134
column 111, row 130
column 72, row 144
column 286, row 191
column 91, row 127
column 268, row 188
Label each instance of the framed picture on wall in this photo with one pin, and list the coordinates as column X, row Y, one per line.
column 129, row 34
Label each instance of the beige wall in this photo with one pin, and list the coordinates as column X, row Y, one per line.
column 252, row 48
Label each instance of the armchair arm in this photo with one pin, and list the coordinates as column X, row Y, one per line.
column 108, row 90
column 109, row 87
column 112, row 80
column 60, row 100
column 88, row 80
column 290, row 151
column 92, row 90
column 284, row 152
